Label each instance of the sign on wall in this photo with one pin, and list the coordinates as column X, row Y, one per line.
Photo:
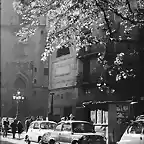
column 122, row 113
column 63, row 73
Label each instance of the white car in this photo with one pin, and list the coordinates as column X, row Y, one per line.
column 134, row 134
column 38, row 129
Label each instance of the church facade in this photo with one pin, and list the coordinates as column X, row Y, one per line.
column 22, row 68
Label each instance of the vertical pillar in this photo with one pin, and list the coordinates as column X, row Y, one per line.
column 111, row 123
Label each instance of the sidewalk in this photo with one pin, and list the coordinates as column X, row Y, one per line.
column 10, row 140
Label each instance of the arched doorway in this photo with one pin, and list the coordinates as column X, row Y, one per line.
column 19, row 83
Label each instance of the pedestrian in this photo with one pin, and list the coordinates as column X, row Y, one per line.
column 63, row 119
column 19, row 128
column 37, row 118
column 71, row 117
column 5, row 127
column 14, row 127
column 67, row 118
column 27, row 124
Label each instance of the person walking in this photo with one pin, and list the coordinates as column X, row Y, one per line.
column 27, row 124
column 19, row 128
column 14, row 127
column 5, row 127
column 71, row 117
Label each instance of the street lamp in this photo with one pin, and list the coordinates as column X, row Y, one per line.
column 18, row 97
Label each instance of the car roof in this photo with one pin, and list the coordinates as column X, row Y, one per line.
column 74, row 121
column 139, row 120
column 45, row 121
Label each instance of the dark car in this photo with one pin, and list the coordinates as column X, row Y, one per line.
column 73, row 132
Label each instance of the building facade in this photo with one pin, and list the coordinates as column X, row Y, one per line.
column 72, row 81
column 21, row 67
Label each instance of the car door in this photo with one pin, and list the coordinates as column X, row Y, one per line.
column 66, row 133
column 56, row 134
column 36, row 131
column 133, row 135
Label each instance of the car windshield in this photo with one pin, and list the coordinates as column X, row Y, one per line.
column 47, row 125
column 82, row 127
column 136, row 127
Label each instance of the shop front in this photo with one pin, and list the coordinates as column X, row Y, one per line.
column 111, row 117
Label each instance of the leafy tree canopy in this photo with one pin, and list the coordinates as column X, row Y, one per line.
column 85, row 23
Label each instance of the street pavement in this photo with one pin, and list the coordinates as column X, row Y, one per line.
column 10, row 140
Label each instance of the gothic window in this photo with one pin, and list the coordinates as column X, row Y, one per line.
column 42, row 32
column 35, row 69
column 34, row 81
column 46, row 71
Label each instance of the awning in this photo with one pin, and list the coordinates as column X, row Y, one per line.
column 102, row 105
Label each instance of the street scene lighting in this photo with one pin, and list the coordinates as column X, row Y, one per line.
column 18, row 97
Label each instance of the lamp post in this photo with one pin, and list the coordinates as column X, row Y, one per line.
column 51, row 94
column 18, row 97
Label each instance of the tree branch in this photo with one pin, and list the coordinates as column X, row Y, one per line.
column 126, row 18
column 128, row 3
column 106, row 19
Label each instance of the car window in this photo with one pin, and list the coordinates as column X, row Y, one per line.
column 82, row 127
column 36, row 125
column 59, row 127
column 66, row 127
column 136, row 128
column 31, row 125
column 47, row 125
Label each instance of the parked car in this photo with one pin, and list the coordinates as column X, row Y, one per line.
column 134, row 134
column 102, row 128
column 73, row 132
column 37, row 129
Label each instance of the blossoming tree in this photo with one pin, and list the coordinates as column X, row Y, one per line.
column 85, row 23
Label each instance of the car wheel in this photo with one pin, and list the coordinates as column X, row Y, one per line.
column 39, row 139
column 75, row 142
column 41, row 142
column 51, row 142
